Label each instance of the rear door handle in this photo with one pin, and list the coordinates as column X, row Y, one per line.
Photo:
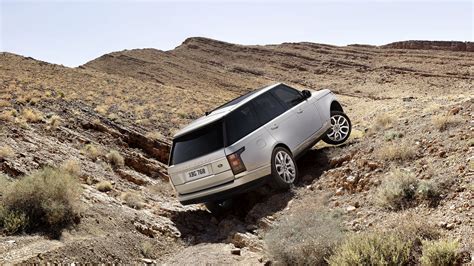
column 274, row 127
column 300, row 111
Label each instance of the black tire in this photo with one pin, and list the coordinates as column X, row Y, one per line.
column 219, row 207
column 339, row 121
column 283, row 178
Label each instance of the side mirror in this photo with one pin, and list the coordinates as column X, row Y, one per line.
column 306, row 94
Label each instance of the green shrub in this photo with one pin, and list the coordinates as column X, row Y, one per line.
column 305, row 238
column 115, row 158
column 441, row 252
column 48, row 199
column 14, row 221
column 374, row 248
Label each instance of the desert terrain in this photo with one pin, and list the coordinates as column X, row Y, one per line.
column 406, row 175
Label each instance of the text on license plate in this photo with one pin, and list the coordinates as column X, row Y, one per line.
column 197, row 173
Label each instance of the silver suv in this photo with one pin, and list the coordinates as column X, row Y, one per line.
column 232, row 148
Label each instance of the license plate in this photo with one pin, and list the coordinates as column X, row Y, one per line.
column 197, row 173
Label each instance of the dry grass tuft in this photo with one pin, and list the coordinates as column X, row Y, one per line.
column 372, row 248
column 305, row 238
column 71, row 166
column 54, row 122
column 396, row 151
column 383, row 121
column 8, row 115
column 47, row 200
column 133, row 200
column 443, row 122
column 104, row 186
column 31, row 115
column 147, row 249
column 6, row 152
column 402, row 190
column 91, row 151
column 441, row 252
column 155, row 135
column 115, row 158
column 102, row 109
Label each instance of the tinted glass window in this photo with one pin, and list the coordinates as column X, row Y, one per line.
column 287, row 95
column 198, row 143
column 267, row 107
column 240, row 122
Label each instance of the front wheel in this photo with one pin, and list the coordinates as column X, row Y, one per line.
column 340, row 128
column 284, row 169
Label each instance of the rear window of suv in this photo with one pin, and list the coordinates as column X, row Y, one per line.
column 240, row 123
column 198, row 143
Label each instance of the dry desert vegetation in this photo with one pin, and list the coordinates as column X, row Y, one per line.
column 83, row 155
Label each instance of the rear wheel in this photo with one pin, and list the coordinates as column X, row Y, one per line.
column 284, row 169
column 340, row 129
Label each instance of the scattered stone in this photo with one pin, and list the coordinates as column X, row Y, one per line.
column 454, row 110
column 148, row 261
column 236, row 251
column 442, row 224
column 350, row 208
column 340, row 191
column 131, row 176
column 335, row 162
column 450, row 226
column 251, row 241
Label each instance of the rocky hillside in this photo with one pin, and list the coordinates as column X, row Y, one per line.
column 109, row 124
column 433, row 45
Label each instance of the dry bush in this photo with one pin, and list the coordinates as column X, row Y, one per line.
column 441, row 252
column 413, row 228
column 48, row 200
column 391, row 135
column 71, row 166
column 428, row 190
column 31, row 115
column 383, row 121
column 54, row 122
column 115, row 158
column 154, row 135
column 91, row 151
column 147, row 249
column 6, row 152
column 104, row 186
column 372, row 248
column 398, row 191
column 443, row 122
column 305, row 237
column 402, row 190
column 133, row 200
column 102, row 109
column 396, row 151
column 8, row 115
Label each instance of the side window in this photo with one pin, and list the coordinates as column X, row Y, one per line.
column 290, row 97
column 267, row 107
column 240, row 122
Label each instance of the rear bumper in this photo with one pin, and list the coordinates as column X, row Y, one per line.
column 221, row 191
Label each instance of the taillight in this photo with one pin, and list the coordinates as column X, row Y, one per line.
column 235, row 161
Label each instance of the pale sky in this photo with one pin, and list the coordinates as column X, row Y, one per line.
column 74, row 32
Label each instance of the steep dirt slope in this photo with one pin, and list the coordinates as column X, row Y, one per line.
column 133, row 101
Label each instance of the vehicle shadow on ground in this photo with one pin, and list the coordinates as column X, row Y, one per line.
column 248, row 210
